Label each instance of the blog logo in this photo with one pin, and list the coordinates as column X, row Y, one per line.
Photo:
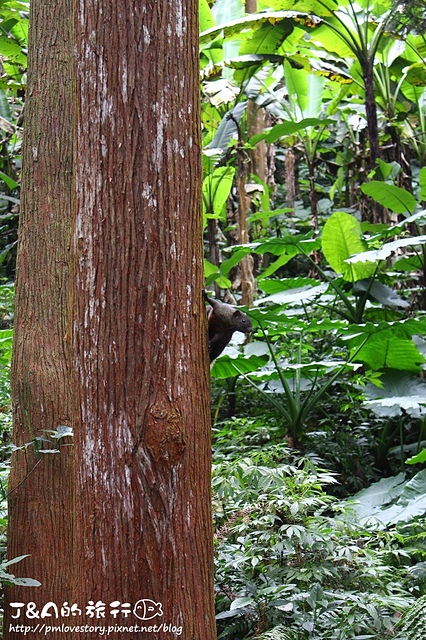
column 147, row 609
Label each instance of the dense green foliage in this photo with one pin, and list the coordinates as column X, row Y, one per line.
column 318, row 480
column 288, row 554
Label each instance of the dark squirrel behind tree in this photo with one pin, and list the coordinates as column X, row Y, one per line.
column 223, row 321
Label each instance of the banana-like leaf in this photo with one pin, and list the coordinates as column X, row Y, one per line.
column 288, row 128
column 253, row 22
column 305, row 91
column 216, row 189
column 268, row 38
column 319, row 7
column 227, row 128
column 206, row 17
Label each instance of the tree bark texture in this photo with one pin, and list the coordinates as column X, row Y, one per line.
column 378, row 213
column 111, row 328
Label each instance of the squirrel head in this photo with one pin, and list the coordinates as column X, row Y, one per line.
column 241, row 322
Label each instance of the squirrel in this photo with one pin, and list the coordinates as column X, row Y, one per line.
column 223, row 321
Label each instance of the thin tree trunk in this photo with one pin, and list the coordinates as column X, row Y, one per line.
column 371, row 112
column 247, row 277
column 313, row 195
column 377, row 213
column 110, row 324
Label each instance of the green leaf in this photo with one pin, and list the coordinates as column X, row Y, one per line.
column 210, row 269
column 275, row 286
column 206, row 16
column 318, row 7
column 380, row 292
column 388, row 170
column 252, row 23
column 288, row 128
column 5, row 111
column 20, row 31
column 227, row 128
column 235, row 259
column 9, row 182
column 216, row 189
column 385, row 349
column 226, row 367
column 268, row 38
column 374, row 255
column 409, row 499
column 334, row 40
column 394, row 198
column 422, row 182
column 378, row 494
column 300, row 295
column 420, row 458
column 11, row 50
column 305, row 90
column 401, row 391
column 411, row 503
column 341, row 238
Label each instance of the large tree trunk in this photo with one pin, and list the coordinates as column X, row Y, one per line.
column 110, row 323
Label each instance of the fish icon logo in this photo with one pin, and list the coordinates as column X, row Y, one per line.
column 147, row 609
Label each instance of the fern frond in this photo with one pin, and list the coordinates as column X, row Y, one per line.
column 414, row 621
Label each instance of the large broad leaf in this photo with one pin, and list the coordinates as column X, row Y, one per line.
column 288, row 128
column 384, row 350
column 409, row 498
column 380, row 292
column 287, row 244
column 333, row 38
column 300, row 295
column 319, row 7
column 225, row 11
column 411, row 503
column 235, row 259
column 228, row 367
column 216, row 189
column 378, row 494
column 268, row 38
column 384, row 346
column 206, row 17
column 401, row 392
column 394, row 198
column 284, row 284
column 305, row 91
column 422, row 182
column 227, row 128
column 12, row 51
column 341, row 238
column 251, row 23
column 374, row 255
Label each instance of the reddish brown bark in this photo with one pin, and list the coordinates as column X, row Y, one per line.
column 111, row 336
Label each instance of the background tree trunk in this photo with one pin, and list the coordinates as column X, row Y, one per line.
column 111, row 328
